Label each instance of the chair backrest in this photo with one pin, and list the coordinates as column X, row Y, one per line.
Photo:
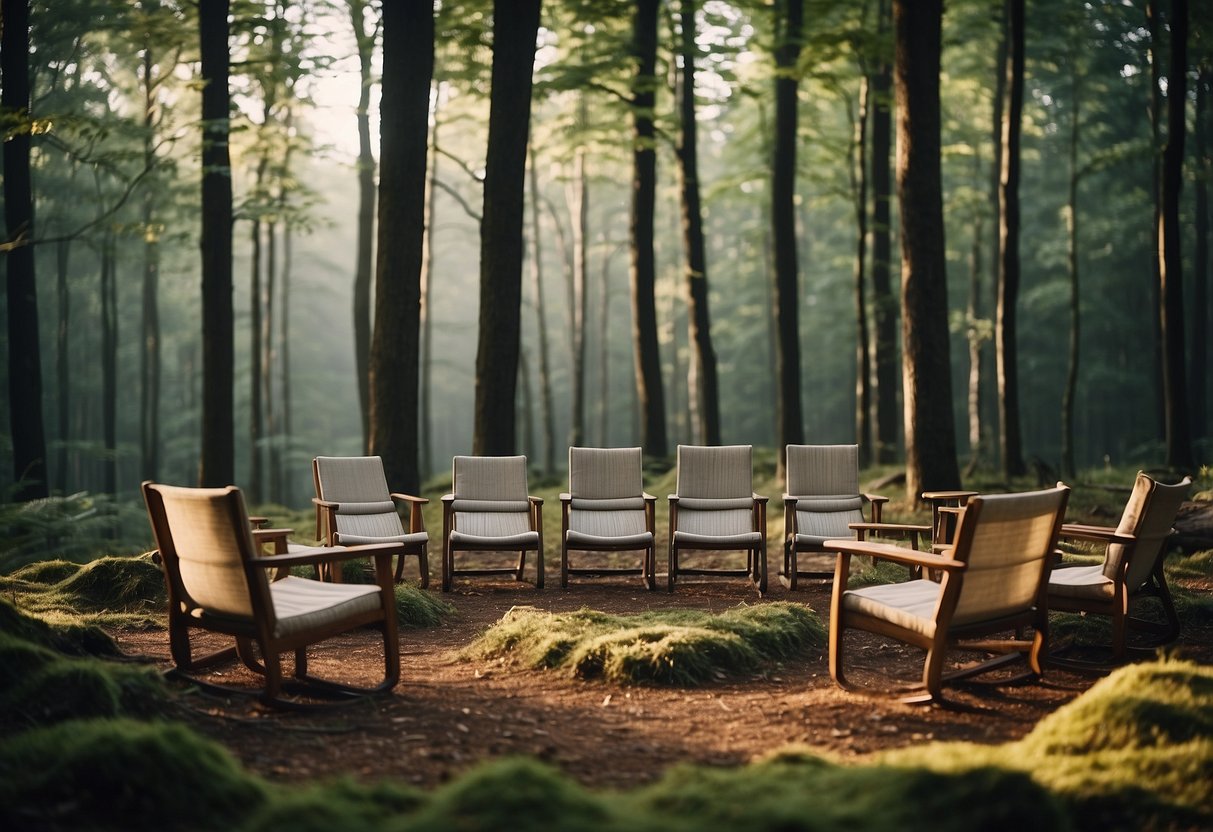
column 607, row 488
column 360, row 486
column 825, row 481
column 205, row 543
column 724, row 472
column 1006, row 540
column 1148, row 516
column 490, row 494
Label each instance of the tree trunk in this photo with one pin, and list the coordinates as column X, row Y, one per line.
column 109, row 363
column 218, row 437
column 975, row 337
column 408, row 66
column 579, row 209
column 604, row 347
column 366, row 216
column 269, row 355
column 425, row 417
column 63, row 360
column 1199, row 372
column 545, row 371
column 649, row 392
column 515, row 26
column 282, row 478
column 703, row 358
column 1153, row 26
column 256, row 489
column 926, row 368
column 1068, row 467
column 1178, row 431
column 149, row 353
column 1005, row 327
column 859, row 191
column 783, row 221
column 884, row 303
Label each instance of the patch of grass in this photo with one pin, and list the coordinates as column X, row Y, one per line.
column 46, row 571
column 417, row 608
column 1135, row 751
column 72, row 638
column 116, row 584
column 63, row 689
column 121, row 774
column 865, row 573
column 680, row 647
column 339, row 805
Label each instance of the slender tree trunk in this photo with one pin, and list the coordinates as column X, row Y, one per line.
column 579, row 208
column 1068, row 467
column 109, row 363
column 604, row 347
column 859, row 189
column 218, row 360
column 366, row 215
column 649, row 392
column 515, row 25
column 1153, row 25
column 926, row 368
column 1199, row 372
column 1178, row 431
column 408, row 66
column 975, row 336
column 990, row 399
column 1005, row 324
column 149, row 353
column 783, row 220
column 884, row 302
column 281, row 474
column 527, row 438
column 425, row 417
column 256, row 355
column 545, row 371
column 703, row 357
column 269, row 356
column 63, row 360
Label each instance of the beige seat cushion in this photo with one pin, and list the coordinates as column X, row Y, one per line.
column 301, row 604
column 910, row 605
column 1086, row 582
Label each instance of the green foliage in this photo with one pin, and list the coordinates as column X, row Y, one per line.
column 416, row 608
column 341, row 804
column 121, row 774
column 74, row 528
column 113, row 591
column 72, row 638
column 679, row 647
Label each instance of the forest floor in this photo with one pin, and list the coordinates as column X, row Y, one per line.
column 449, row 713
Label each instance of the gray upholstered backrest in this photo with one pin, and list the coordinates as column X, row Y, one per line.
column 494, row 478
column 724, row 472
column 360, row 486
column 1148, row 516
column 605, row 473
column 823, row 470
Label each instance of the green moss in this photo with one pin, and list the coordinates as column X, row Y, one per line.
column 682, row 647
column 416, row 608
column 63, row 689
column 47, row 571
column 341, row 805
column 73, row 638
column 864, row 573
column 120, row 774
column 111, row 583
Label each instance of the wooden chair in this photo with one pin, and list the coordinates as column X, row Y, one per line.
column 822, row 501
column 354, row 507
column 607, row 510
column 489, row 510
column 716, row 509
column 1132, row 569
column 994, row 579
column 216, row 579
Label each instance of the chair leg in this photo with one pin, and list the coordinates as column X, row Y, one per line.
column 539, row 567
column 400, row 567
column 521, row 565
column 789, row 566
column 650, row 567
column 301, row 663
column 836, row 654
column 673, row 571
column 273, row 677
column 564, row 564
column 762, row 570
column 932, row 675
column 423, row 566
column 448, row 565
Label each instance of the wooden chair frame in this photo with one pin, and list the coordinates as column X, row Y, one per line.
column 648, row 563
column 756, row 556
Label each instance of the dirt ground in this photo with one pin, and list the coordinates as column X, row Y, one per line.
column 448, row 714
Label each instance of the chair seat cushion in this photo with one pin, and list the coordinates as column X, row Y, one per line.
column 910, row 605
column 414, row 539
column 1081, row 582
column 522, row 540
column 303, row 604
column 813, row 542
column 640, row 541
column 744, row 540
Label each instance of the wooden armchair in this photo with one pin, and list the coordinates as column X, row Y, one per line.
column 994, row 579
column 216, row 579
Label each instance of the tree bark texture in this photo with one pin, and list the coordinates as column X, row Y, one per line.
column 1071, row 389
column 884, row 302
column 63, row 359
column 926, row 369
column 579, row 210
column 1178, row 431
column 707, row 430
column 109, row 362
column 545, row 370
column 149, row 353
column 256, row 486
column 408, row 65
column 515, row 25
column 649, row 392
column 1005, row 323
column 425, row 417
column 859, row 190
column 1199, row 371
column 790, row 422
column 218, row 360
column 366, row 216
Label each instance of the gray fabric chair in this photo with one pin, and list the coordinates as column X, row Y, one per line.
column 354, row 507
column 715, row 509
column 607, row 510
column 1132, row 569
column 821, row 502
column 995, row 576
column 216, row 580
column 489, row 510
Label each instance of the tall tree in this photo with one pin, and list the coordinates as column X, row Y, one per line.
column 789, row 23
column 579, row 210
column 515, row 27
column 1005, row 321
column 408, row 66
column 1178, row 431
column 1199, row 371
column 1071, row 389
column 926, row 367
column 858, row 170
column 109, row 360
column 884, row 304
column 218, row 359
column 365, row 40
column 644, row 195
column 545, row 373
column 706, row 391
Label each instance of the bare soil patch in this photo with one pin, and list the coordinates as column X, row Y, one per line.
column 449, row 714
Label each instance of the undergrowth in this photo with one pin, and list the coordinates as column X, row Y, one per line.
column 679, row 647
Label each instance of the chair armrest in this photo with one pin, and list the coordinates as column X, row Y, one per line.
column 789, row 499
column 758, row 498
column 886, row 551
column 270, row 534
column 319, row 503
column 330, row 554
column 647, row 496
column 535, row 501
column 673, row 498
column 409, row 498
column 447, row 498
column 565, row 497
column 257, row 520
column 894, row 528
column 1102, row 534
column 874, row 498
